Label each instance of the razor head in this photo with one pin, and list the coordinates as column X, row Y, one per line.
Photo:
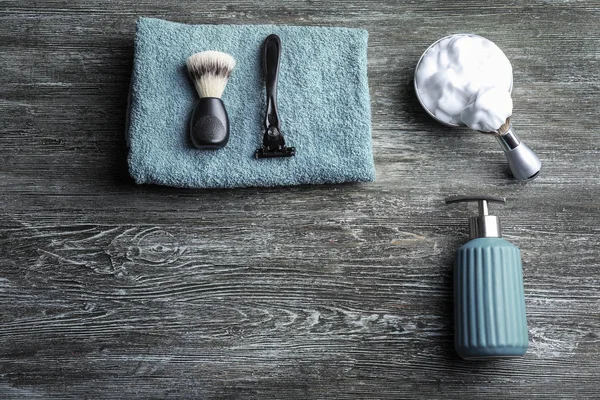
column 274, row 145
column 265, row 152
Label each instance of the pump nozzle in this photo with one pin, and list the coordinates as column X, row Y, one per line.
column 483, row 225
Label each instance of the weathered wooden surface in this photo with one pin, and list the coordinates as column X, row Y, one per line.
column 108, row 290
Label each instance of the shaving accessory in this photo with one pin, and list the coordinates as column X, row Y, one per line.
column 522, row 161
column 273, row 145
column 209, row 124
column 466, row 80
column 489, row 300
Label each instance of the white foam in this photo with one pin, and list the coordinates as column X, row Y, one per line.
column 487, row 109
column 454, row 70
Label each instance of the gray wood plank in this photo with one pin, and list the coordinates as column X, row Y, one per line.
column 111, row 290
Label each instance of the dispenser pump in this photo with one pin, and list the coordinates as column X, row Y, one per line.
column 489, row 299
column 484, row 225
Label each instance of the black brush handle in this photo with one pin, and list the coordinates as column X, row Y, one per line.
column 209, row 125
column 271, row 54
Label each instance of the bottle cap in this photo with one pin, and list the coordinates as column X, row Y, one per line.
column 484, row 225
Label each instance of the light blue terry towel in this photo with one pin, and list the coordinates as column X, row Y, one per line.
column 323, row 101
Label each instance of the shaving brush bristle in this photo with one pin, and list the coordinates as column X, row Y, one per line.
column 504, row 127
column 210, row 71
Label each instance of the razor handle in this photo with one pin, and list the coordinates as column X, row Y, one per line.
column 273, row 145
column 271, row 55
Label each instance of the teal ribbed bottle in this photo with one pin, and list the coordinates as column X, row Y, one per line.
column 489, row 303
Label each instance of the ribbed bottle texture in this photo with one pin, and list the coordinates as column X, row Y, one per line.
column 489, row 302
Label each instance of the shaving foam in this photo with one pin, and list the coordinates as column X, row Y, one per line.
column 487, row 109
column 466, row 80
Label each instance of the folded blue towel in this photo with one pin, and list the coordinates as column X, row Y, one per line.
column 323, row 100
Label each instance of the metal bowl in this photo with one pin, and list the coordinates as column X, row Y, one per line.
column 417, row 87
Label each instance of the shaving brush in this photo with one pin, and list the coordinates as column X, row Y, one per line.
column 489, row 111
column 522, row 161
column 209, row 125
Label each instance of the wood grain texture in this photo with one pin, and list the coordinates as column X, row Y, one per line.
column 111, row 290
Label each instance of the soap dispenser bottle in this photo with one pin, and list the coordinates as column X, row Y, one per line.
column 489, row 302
